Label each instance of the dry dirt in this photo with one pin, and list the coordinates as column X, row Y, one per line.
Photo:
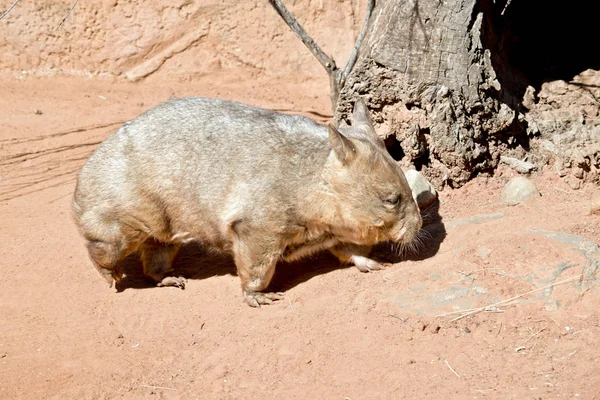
column 339, row 333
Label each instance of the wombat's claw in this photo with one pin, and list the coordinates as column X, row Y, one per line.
column 177, row 281
column 365, row 264
column 256, row 299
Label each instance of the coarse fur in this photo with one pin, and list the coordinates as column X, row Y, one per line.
column 260, row 185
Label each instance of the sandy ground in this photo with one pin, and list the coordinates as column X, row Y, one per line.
column 339, row 333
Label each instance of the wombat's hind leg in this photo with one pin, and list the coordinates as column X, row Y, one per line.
column 105, row 256
column 357, row 255
column 255, row 261
column 157, row 259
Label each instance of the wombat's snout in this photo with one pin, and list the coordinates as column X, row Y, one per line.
column 408, row 228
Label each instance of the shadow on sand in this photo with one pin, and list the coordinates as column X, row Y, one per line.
column 194, row 262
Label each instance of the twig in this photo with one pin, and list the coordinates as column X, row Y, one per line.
column 327, row 62
column 66, row 16
column 9, row 8
column 472, row 311
column 337, row 78
column 567, row 356
column 157, row 387
column 534, row 335
column 505, row 7
column 359, row 39
column 397, row 317
column 451, row 368
column 561, row 190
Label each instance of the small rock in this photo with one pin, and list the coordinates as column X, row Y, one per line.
column 529, row 97
column 522, row 167
column 37, row 112
column 518, row 190
column 547, row 145
column 558, row 168
column 423, row 192
column 466, row 330
column 595, row 204
column 573, row 182
column 578, row 172
column 484, row 252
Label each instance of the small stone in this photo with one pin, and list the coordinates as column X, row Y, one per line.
column 37, row 112
column 558, row 168
column 595, row 204
column 423, row 192
column 466, row 330
column 529, row 97
column 578, row 172
column 518, row 190
column 484, row 252
column 522, row 167
column 573, row 182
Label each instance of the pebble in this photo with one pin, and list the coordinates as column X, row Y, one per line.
column 517, row 190
column 423, row 191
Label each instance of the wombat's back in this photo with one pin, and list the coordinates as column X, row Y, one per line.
column 188, row 160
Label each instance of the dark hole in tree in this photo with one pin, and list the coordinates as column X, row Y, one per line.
column 537, row 41
column 393, row 147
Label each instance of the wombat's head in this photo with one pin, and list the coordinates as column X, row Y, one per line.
column 373, row 200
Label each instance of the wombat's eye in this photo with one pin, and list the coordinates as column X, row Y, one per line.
column 392, row 200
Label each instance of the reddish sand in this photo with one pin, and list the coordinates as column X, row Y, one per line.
column 339, row 333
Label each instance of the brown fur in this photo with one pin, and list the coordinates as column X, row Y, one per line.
column 261, row 185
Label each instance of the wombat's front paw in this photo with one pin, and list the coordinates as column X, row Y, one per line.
column 177, row 281
column 257, row 298
column 365, row 264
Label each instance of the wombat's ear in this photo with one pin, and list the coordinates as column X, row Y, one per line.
column 360, row 116
column 344, row 149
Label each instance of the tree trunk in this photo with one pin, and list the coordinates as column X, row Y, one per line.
column 430, row 83
column 455, row 84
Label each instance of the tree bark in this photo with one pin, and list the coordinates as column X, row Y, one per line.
column 430, row 83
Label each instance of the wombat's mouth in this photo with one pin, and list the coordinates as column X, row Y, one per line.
column 408, row 233
column 405, row 236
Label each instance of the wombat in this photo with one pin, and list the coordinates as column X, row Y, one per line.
column 258, row 184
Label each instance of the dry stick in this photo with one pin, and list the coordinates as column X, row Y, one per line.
column 535, row 334
column 451, row 368
column 9, row 8
column 504, row 302
column 157, row 387
column 505, row 7
column 336, row 77
column 359, row 39
column 66, row 16
column 327, row 62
